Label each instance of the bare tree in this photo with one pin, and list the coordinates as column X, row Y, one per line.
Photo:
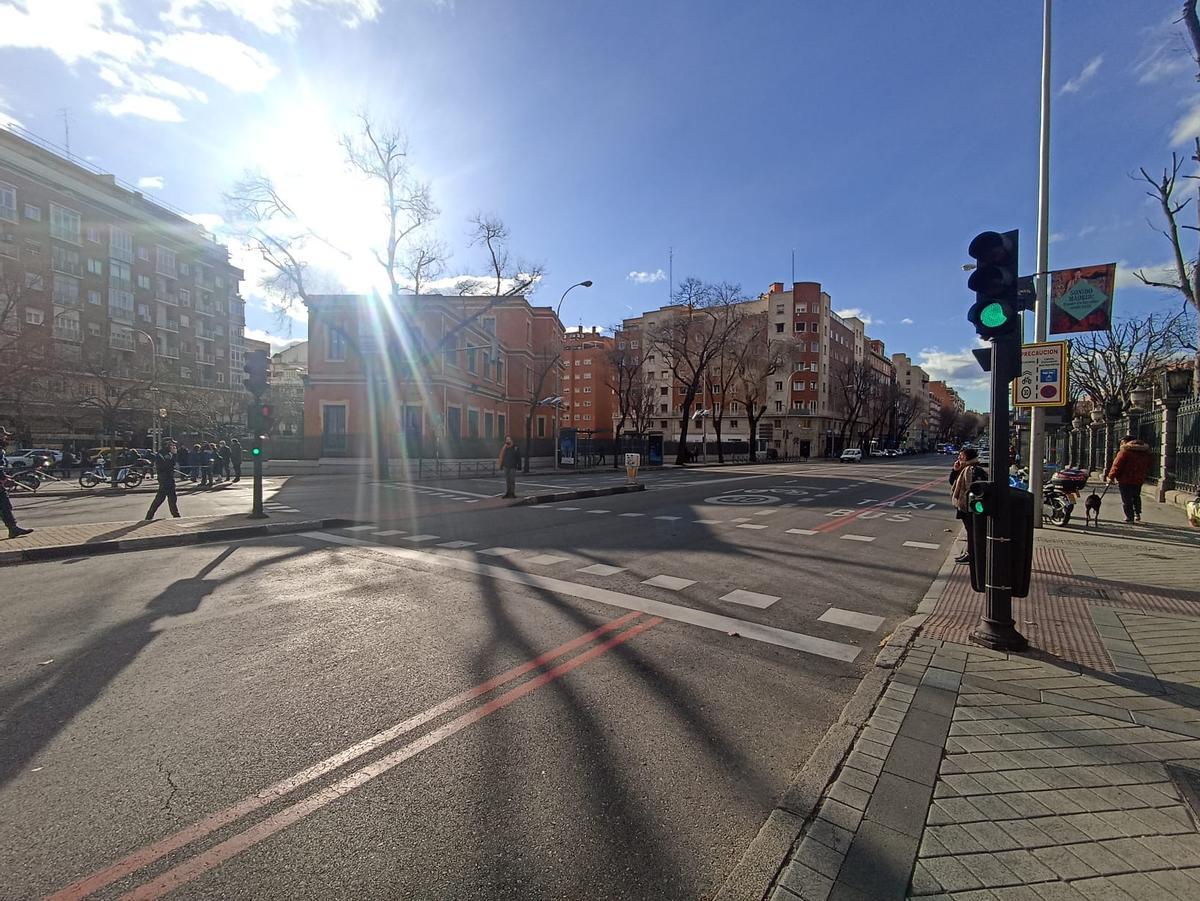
column 762, row 357
column 549, row 360
column 25, row 348
column 906, row 408
column 625, row 377
column 947, row 422
column 1107, row 366
column 422, row 262
column 693, row 338
column 854, row 387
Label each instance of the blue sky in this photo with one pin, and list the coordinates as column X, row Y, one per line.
column 872, row 139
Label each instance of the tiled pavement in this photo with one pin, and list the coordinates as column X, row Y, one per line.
column 1057, row 774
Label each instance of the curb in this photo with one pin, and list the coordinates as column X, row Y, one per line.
column 576, row 495
column 769, row 851
column 78, row 493
column 151, row 542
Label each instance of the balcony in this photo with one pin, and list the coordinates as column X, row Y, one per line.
column 69, row 334
column 207, row 359
column 169, row 351
column 119, row 314
column 168, row 297
column 118, row 341
column 204, row 334
column 168, row 325
column 207, row 309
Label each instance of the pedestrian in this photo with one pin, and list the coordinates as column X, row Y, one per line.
column 224, row 458
column 206, row 466
column 965, row 473
column 183, row 461
column 164, row 465
column 6, row 509
column 235, row 459
column 509, row 460
column 196, row 457
column 1129, row 471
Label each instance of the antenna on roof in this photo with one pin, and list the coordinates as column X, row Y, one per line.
column 65, row 112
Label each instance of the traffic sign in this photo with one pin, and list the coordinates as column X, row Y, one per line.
column 1043, row 378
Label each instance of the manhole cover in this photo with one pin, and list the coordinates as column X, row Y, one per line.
column 1080, row 591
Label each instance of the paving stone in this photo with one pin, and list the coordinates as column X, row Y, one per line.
column 944, row 660
column 1057, row 891
column 922, row 882
column 865, row 762
column 1097, row 856
column 1017, row 893
column 914, row 760
column 1123, row 824
column 1174, row 850
column 806, row 882
column 1092, row 826
column 1100, row 889
column 989, row 870
column 830, row 835
column 995, row 807
column 1026, row 833
column 935, row 700
column 824, row 860
column 849, row 795
column 900, row 804
column 1025, row 865
column 955, row 839
column 858, row 778
column 1136, row 854
column 946, row 679
column 880, row 862
column 982, row 894
column 1061, row 831
column 1138, row 886
column 953, row 810
column 990, row 836
column 951, row 874
column 878, row 736
column 840, row 815
column 1064, row 864
column 925, row 726
column 1176, row 882
column 873, row 748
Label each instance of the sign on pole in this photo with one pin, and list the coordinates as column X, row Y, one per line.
column 1081, row 299
column 1043, row 378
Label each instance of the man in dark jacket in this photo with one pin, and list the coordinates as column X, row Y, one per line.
column 235, row 459
column 965, row 473
column 1129, row 471
column 164, row 466
column 6, row 510
column 510, row 462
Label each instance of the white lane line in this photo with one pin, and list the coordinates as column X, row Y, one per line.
column 426, row 489
column 457, row 545
column 922, row 544
column 500, row 551
column 418, row 539
column 359, row 528
column 740, row 519
column 286, row 510
column 545, row 560
column 667, row 518
column 766, row 512
column 864, row 621
column 750, row 525
column 472, row 500
column 750, row 599
column 565, row 508
column 858, row 538
column 389, row 532
column 797, row 641
column 708, row 522
column 601, row 569
column 633, row 514
column 802, row 531
column 599, row 511
column 671, row 583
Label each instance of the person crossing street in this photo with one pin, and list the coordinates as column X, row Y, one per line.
column 164, row 465
column 6, row 509
column 235, row 459
column 510, row 462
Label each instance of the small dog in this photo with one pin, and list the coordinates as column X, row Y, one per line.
column 1091, row 508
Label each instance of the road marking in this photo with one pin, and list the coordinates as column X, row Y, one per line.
column 420, row 538
column 750, row 525
column 500, row 551
column 544, row 560
column 601, row 569
column 563, row 508
column 890, row 503
column 145, row 856
column 797, row 641
column 671, row 583
column 708, row 522
column 388, row 532
column 767, row 512
column 667, row 518
column 740, row 519
column 750, row 599
column 633, row 514
column 858, row 537
column 922, row 544
column 802, row 531
column 864, row 621
column 457, row 545
column 426, row 489
column 599, row 511
column 218, row 854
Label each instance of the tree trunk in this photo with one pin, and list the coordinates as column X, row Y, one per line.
column 754, row 436
column 617, row 439
column 528, row 439
column 720, row 448
column 688, row 399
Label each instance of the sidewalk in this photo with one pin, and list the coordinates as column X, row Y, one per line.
column 108, row 537
column 1066, row 773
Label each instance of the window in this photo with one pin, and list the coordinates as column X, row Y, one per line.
column 815, row 347
column 587, row 375
column 576, row 362
column 34, row 281
column 95, row 267
column 778, row 406
column 94, row 297
column 34, row 317
column 220, row 378
column 797, row 386
column 812, row 367
column 541, row 426
column 8, row 202
column 733, row 423
column 799, row 326
column 64, row 224
column 120, row 305
column 587, row 390
column 778, row 308
column 185, row 269
column 335, row 346
column 588, row 362
column 488, row 425
column 64, row 260
column 164, row 261
column 662, row 408
column 779, row 327
column 472, row 366
column 812, row 386
column 120, row 245
column 801, row 308
column 587, row 403
column 66, row 326
column 185, row 297
column 489, row 325
column 143, row 254
column 663, row 424
column 93, row 234
column 33, row 248
column 185, row 373
column 66, row 291
column 143, row 282
column 500, row 375
column 779, row 386
column 94, row 329
column 472, row 423
column 649, row 359
column 33, row 212
column 501, row 424
column 664, row 391
column 666, row 374
column 633, row 345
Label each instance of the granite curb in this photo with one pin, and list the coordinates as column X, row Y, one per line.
column 151, row 542
column 764, row 859
column 576, row 495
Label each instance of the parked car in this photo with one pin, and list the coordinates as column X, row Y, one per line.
column 851, row 455
column 22, row 459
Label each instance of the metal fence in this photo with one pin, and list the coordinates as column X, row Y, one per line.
column 1187, row 446
column 1094, row 446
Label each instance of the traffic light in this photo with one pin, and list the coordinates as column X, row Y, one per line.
column 997, row 307
column 980, row 499
column 256, row 446
column 256, row 371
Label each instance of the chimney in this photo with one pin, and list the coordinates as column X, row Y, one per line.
column 776, row 288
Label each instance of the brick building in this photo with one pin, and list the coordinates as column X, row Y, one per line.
column 112, row 306
column 587, row 383
column 440, row 375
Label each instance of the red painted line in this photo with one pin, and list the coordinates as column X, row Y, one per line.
column 218, row 854
column 147, row 855
column 841, row 521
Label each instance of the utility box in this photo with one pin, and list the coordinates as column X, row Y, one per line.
column 1019, row 510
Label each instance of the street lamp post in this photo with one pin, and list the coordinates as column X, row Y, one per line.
column 586, row 283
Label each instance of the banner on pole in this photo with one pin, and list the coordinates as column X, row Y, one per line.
column 1081, row 299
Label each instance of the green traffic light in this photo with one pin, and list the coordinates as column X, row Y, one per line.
column 256, row 451
column 977, row 507
column 993, row 315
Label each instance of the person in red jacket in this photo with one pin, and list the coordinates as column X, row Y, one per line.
column 1129, row 470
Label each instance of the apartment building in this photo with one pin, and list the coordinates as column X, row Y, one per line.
column 914, row 381
column 127, row 305
column 947, row 397
column 289, row 371
column 440, row 376
column 587, row 382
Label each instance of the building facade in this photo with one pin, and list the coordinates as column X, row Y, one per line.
column 914, row 381
column 587, row 383
column 289, row 372
column 435, row 375
column 113, row 307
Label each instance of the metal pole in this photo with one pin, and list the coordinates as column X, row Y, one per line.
column 1037, row 422
column 256, row 510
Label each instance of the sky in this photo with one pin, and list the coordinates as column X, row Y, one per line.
column 628, row 141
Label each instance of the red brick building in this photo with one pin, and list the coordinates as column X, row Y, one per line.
column 587, row 382
column 441, row 376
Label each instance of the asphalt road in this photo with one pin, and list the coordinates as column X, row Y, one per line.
column 592, row 699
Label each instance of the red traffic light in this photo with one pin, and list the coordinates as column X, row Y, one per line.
column 266, row 411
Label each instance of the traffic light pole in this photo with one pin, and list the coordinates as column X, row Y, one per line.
column 256, row 511
column 996, row 628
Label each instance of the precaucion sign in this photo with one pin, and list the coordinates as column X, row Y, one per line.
column 1043, row 378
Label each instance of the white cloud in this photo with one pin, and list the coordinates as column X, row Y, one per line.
column 1088, row 72
column 270, row 16
column 277, row 343
column 906, row 321
column 72, row 30
column 141, row 105
column 6, row 119
column 856, row 313
column 1188, row 126
column 957, row 368
column 157, row 182
column 221, row 57
column 646, row 278
column 1055, row 237
column 209, row 221
column 1156, row 272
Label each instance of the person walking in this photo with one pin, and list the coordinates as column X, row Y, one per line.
column 196, row 457
column 235, row 459
column 1129, row 470
column 6, row 508
column 164, row 466
column 224, row 458
column 182, row 461
column 510, row 461
column 206, row 466
column 965, row 473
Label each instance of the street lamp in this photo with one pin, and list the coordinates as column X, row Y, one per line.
column 586, row 283
column 702, row 416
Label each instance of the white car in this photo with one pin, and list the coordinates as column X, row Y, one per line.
column 22, row 459
column 851, row 455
